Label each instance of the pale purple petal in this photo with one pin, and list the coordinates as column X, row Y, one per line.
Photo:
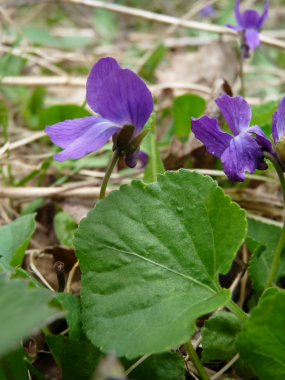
column 237, row 13
column 206, row 129
column 278, row 125
column 264, row 15
column 92, row 139
column 96, row 78
column 243, row 154
column 143, row 157
column 251, row 38
column 250, row 19
column 261, row 138
column 236, row 112
column 65, row 132
column 125, row 99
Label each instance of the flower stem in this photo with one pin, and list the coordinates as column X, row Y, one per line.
column 234, row 308
column 112, row 163
column 281, row 241
column 196, row 361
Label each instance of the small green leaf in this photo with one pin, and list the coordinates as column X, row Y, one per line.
column 15, row 238
column 262, row 240
column 166, row 366
column 261, row 342
column 149, row 146
column 13, row 365
column 148, row 68
column 150, row 257
column 55, row 114
column 219, row 336
column 262, row 115
column 72, row 305
column 77, row 360
column 64, row 226
column 23, row 311
column 185, row 107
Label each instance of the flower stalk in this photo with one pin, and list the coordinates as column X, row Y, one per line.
column 196, row 361
column 281, row 241
column 110, row 168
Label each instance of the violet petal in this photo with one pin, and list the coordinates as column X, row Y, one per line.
column 261, row 138
column 125, row 99
column 237, row 13
column 251, row 38
column 236, row 112
column 237, row 28
column 92, row 139
column 264, row 15
column 96, row 78
column 206, row 129
column 250, row 19
column 132, row 159
column 243, row 154
column 65, row 132
column 278, row 125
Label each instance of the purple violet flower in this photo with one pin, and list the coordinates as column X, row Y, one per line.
column 241, row 152
column 120, row 97
column 207, row 11
column 278, row 123
column 249, row 22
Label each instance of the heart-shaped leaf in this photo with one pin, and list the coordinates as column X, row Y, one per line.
column 150, row 257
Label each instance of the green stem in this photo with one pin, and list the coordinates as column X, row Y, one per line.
column 241, row 73
column 234, row 308
column 108, row 173
column 281, row 241
column 196, row 361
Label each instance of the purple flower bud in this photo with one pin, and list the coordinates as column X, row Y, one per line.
column 241, row 151
column 119, row 96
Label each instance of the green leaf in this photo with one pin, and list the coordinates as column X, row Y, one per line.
column 261, row 342
column 4, row 115
column 150, row 257
column 13, row 365
column 152, row 61
column 77, row 360
column 23, row 311
column 72, row 305
column 262, row 240
column 14, row 238
column 149, row 146
column 55, row 114
column 64, row 226
column 166, row 366
column 185, row 107
column 262, row 115
column 219, row 336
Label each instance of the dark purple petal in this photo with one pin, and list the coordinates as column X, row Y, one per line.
column 206, row 129
column 261, row 138
column 237, row 13
column 264, row 15
column 92, row 139
column 65, row 132
column 278, row 125
column 132, row 159
column 251, row 38
column 250, row 19
column 236, row 112
column 125, row 99
column 96, row 78
column 243, row 154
